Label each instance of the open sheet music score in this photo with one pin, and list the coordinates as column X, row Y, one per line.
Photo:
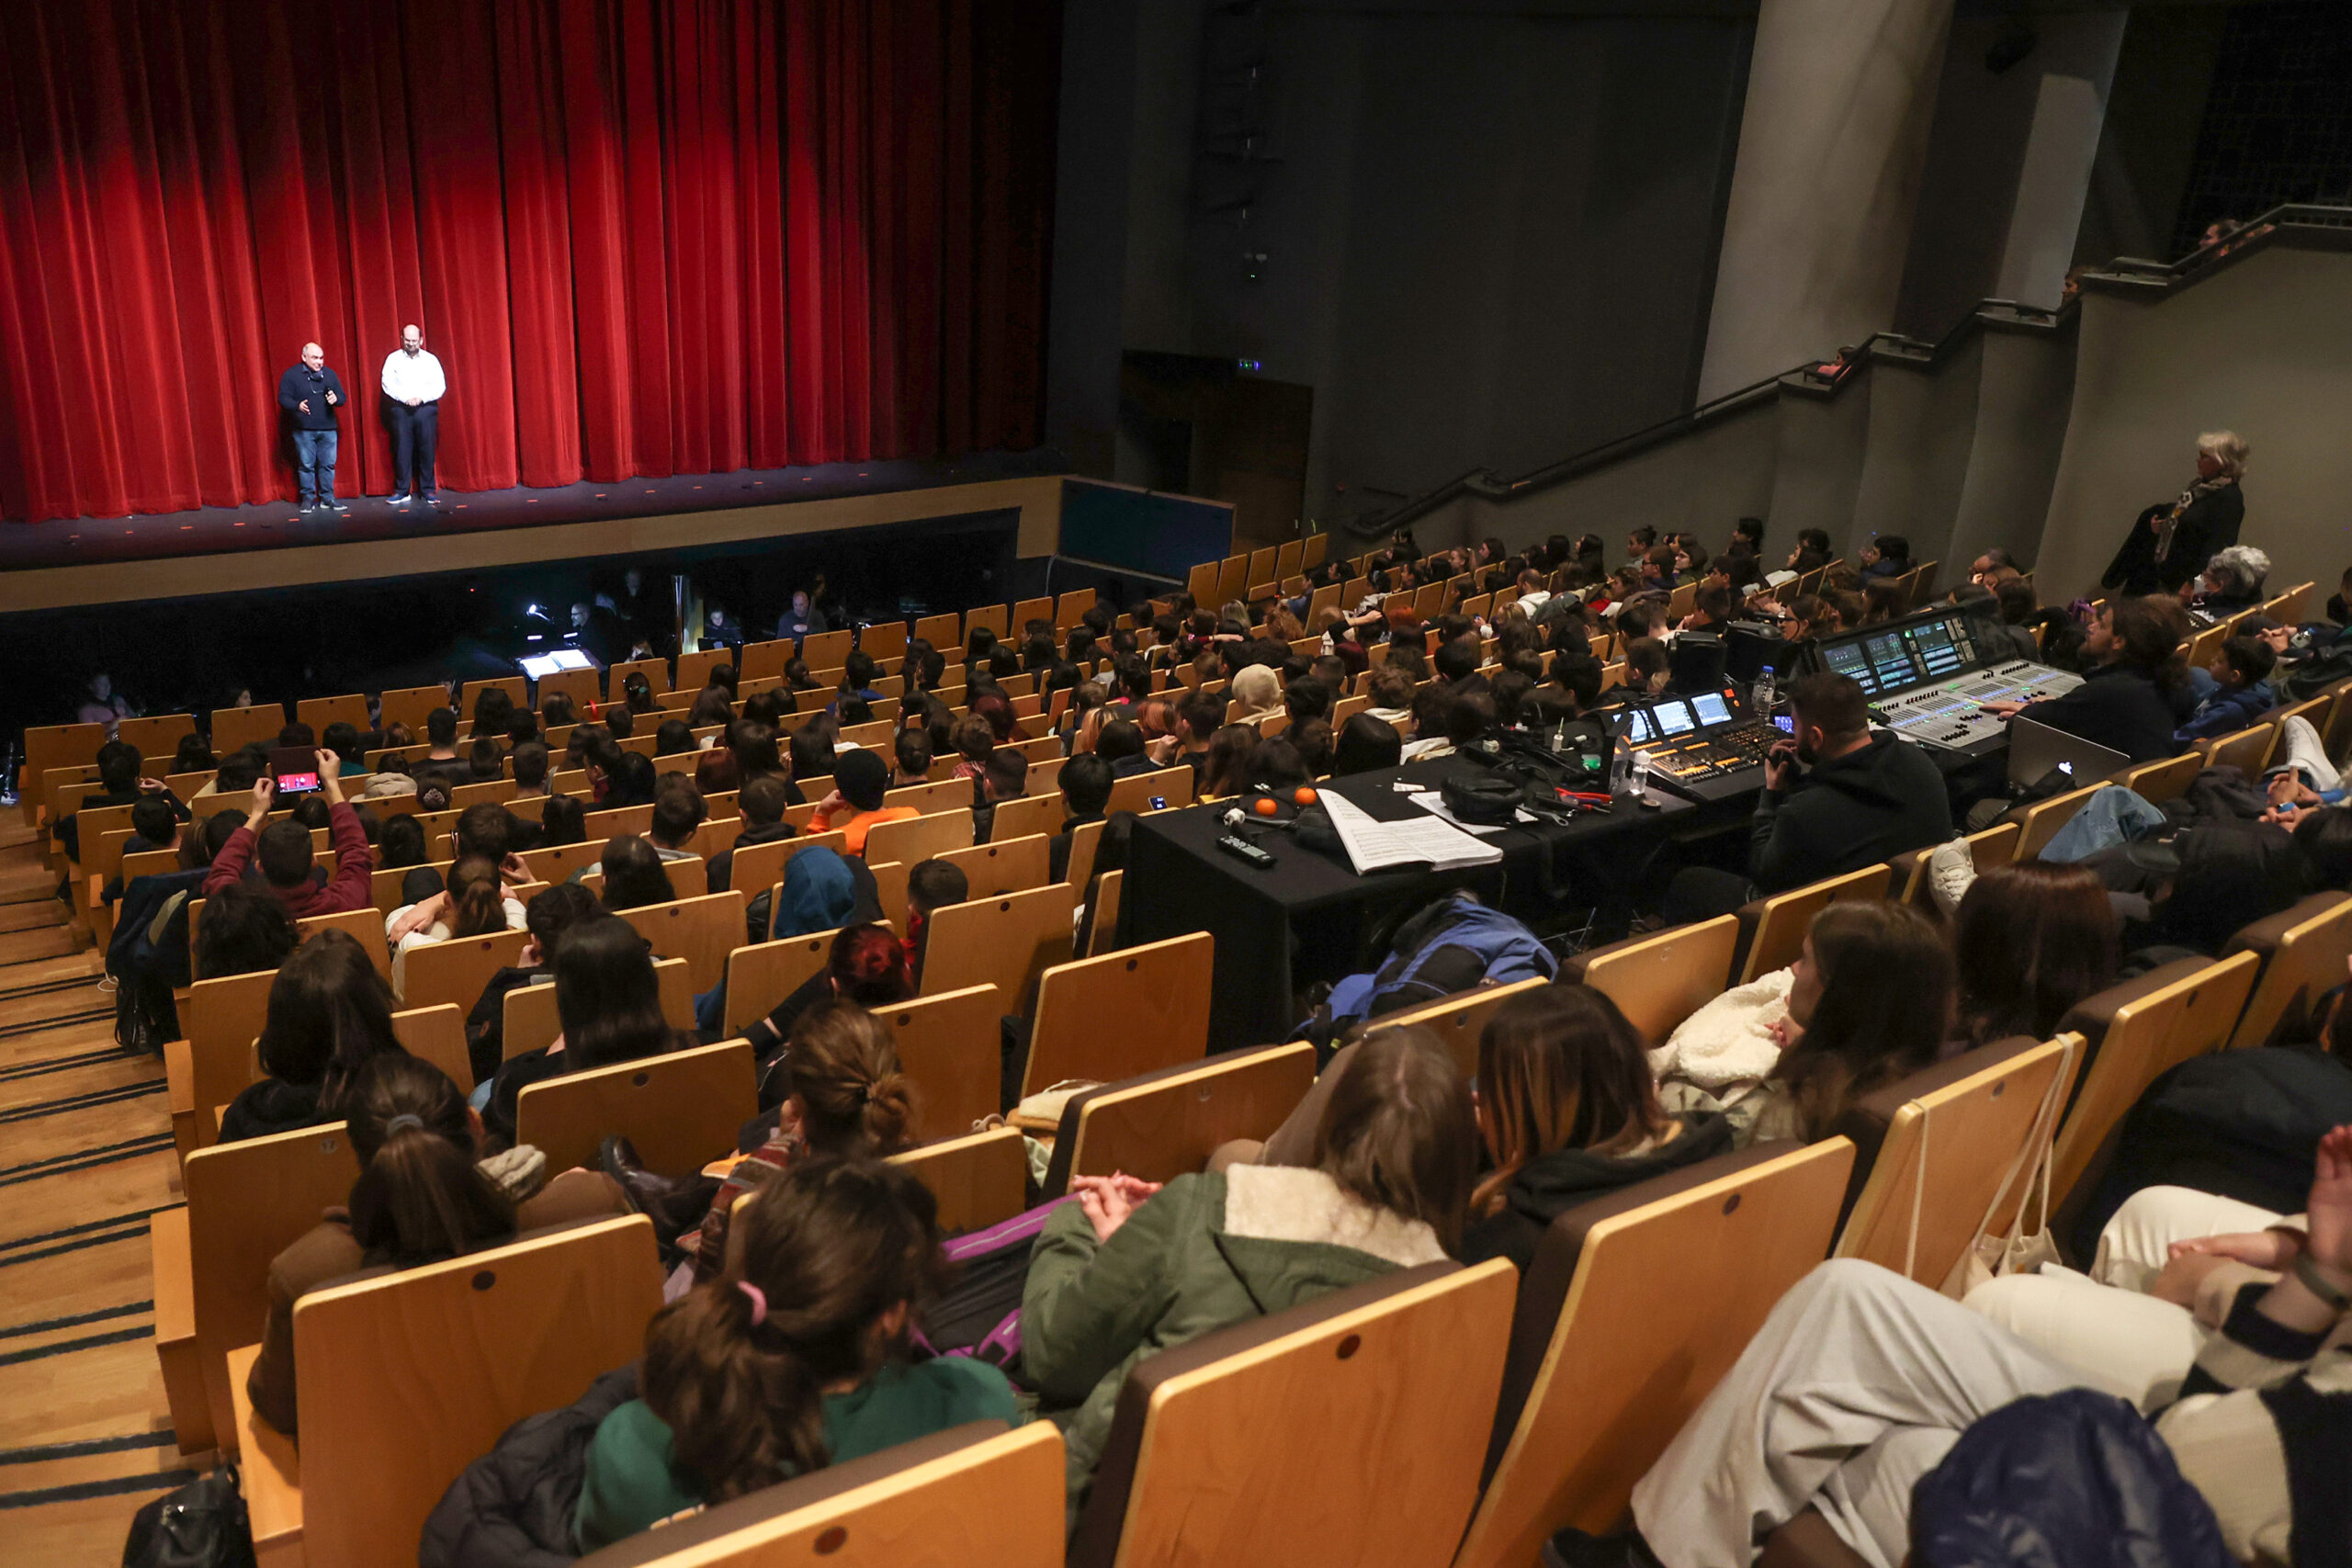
column 1415, row 841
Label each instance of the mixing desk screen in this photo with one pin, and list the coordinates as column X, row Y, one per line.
column 1673, row 720
column 1712, row 708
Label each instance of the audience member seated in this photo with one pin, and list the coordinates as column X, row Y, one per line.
column 329, row 1014
column 421, row 1197
column 244, row 931
column 855, row 808
column 762, row 804
column 609, row 1007
column 552, row 912
column 794, row 1357
column 932, row 887
column 1365, row 744
column 1868, row 1002
column 282, row 851
column 1860, row 1382
column 476, row 903
column 1133, row 1268
column 1569, row 1113
column 2187, row 898
column 867, row 965
column 119, row 783
column 1085, row 783
column 2237, row 696
column 2232, row 582
column 1866, row 798
column 563, row 820
column 631, row 869
column 2031, row 939
column 844, row 1098
column 154, row 825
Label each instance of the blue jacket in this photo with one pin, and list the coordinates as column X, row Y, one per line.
column 2226, row 712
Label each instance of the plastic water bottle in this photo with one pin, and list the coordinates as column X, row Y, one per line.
column 1639, row 785
column 1763, row 695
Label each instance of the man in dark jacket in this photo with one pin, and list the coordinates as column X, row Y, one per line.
column 309, row 394
column 1867, row 797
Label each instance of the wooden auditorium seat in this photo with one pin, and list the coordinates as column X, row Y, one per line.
column 1635, row 1306
column 1461, row 1018
column 2039, row 823
column 761, row 975
column 409, row 1376
column 1774, row 927
column 1008, row 943
column 1910, row 883
column 1158, row 1125
column 1661, row 979
column 681, row 1109
column 701, row 931
column 1344, row 1430
column 1938, row 1145
column 2303, row 952
column 2247, row 750
column 949, row 1045
column 1108, row 1018
column 457, row 970
column 980, row 1179
column 914, row 839
column 978, row 1493
column 1002, row 865
column 530, row 1022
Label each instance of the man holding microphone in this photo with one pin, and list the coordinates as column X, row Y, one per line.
column 412, row 389
column 309, row 394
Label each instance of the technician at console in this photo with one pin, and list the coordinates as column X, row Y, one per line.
column 1863, row 798
column 2137, row 695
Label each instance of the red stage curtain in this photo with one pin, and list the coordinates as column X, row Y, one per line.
column 644, row 236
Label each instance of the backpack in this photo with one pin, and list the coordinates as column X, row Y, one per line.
column 149, row 955
column 200, row 1525
column 1451, row 946
column 2308, row 677
column 979, row 1316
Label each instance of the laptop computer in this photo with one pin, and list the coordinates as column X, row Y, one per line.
column 2036, row 748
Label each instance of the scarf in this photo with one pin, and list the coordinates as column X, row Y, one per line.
column 2188, row 498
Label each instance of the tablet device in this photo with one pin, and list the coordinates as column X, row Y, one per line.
column 293, row 771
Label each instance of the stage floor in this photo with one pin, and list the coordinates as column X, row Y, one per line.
column 224, row 550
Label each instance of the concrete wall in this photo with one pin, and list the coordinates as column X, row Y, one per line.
column 2264, row 348
column 1921, row 420
column 2027, row 382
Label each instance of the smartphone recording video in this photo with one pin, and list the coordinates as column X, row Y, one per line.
column 293, row 771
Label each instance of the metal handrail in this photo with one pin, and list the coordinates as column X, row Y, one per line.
column 1826, row 378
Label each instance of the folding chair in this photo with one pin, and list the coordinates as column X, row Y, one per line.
column 158, row 735
column 2167, row 780
column 975, row 1493
column 2248, row 750
column 1345, row 1430
column 409, row 1377
column 1008, row 943
column 437, row 1034
column 950, row 1045
column 529, row 1019
column 2303, row 952
column 411, row 705
column 1946, row 1138
column 681, row 1109
column 1776, row 926
column 1002, row 865
column 457, row 970
column 1132, row 1011
column 1909, row 885
column 1160, row 1125
column 49, row 746
column 701, row 931
column 236, row 728
column 914, row 840
column 760, row 974
column 1138, row 791
column 1460, row 1018
column 1635, row 1306
column 2039, row 823
column 981, row 1179
column 1658, row 981
column 1102, row 917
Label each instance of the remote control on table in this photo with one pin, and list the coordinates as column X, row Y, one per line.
column 1242, row 849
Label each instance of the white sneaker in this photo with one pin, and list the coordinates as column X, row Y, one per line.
column 402, row 500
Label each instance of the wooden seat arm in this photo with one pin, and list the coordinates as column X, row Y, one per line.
column 270, row 1472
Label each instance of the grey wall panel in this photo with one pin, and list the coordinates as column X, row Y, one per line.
column 1818, row 471
column 1917, row 451
column 2027, row 383
column 2264, row 348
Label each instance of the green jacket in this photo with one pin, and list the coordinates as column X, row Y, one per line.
column 1208, row 1251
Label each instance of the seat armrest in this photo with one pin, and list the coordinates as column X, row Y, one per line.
column 269, row 1473
column 175, row 1350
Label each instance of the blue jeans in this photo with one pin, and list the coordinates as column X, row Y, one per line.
column 315, row 465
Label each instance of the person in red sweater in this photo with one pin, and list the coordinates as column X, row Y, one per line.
column 282, row 850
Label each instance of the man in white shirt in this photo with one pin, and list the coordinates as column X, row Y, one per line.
column 412, row 389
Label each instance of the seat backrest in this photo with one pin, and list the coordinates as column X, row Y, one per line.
column 50, row 746
column 1007, row 942
column 1127, row 1012
column 531, row 1020
column 1030, row 814
column 1778, row 924
column 2304, row 951
column 457, row 970
column 1103, row 924
column 682, row 1109
column 248, row 1201
column 2248, row 750
column 2039, row 823
column 1910, row 883
column 1459, row 1018
column 2167, row 779
column 977, row 1492
column 437, row 1034
column 1959, row 1128
column 233, row 730
column 221, row 1020
column 1138, row 791
column 365, row 927
column 914, row 839
column 411, row 705
column 1660, row 980
column 701, row 931
column 1161, row 1125
column 1003, row 865
column 758, row 867
column 949, row 1044
column 980, row 1179
column 1084, row 840
column 351, row 708
column 761, row 975
column 1344, row 1430
column 2187, row 1018
column 409, row 1377
column 1635, row 1306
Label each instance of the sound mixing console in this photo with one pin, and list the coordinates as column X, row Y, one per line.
column 1701, row 747
column 1924, row 681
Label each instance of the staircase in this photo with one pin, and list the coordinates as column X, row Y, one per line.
column 85, row 1156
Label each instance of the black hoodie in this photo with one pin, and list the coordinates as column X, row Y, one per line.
column 1871, row 805
column 268, row 1106
column 1549, row 1186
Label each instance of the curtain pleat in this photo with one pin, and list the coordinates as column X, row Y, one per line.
column 645, row 237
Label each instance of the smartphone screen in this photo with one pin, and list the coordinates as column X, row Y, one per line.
column 1159, row 803
column 293, row 771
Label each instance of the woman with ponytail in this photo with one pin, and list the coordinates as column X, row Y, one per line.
column 330, row 1012
column 846, row 1099
column 792, row 1358
column 421, row 1197
column 475, row 903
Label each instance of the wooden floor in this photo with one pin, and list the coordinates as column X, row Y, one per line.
column 85, row 1157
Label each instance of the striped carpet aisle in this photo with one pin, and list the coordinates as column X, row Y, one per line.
column 85, row 1156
